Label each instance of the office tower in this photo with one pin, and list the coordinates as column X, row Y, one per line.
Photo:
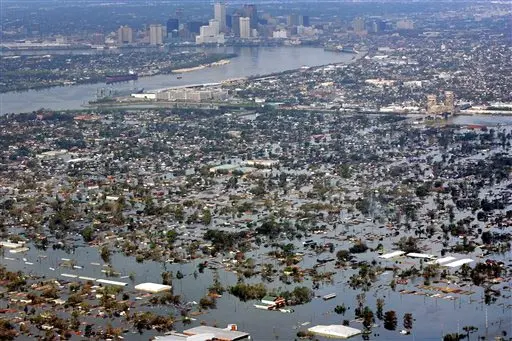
column 293, row 20
column 124, row 35
column 251, row 13
column 195, row 26
column 305, row 21
column 359, row 25
column 229, row 21
column 219, row 10
column 235, row 27
column 378, row 25
column 156, row 34
column 214, row 26
column 245, row 27
column 173, row 24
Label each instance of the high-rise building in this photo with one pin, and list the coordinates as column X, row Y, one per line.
column 251, row 13
column 235, row 24
column 245, row 27
column 293, row 20
column 305, row 21
column 195, row 26
column 124, row 35
column 173, row 24
column 359, row 25
column 229, row 21
column 219, row 10
column 156, row 34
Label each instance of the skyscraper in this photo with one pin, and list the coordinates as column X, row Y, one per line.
column 359, row 25
column 251, row 13
column 235, row 24
column 220, row 15
column 156, row 34
column 245, row 27
column 173, row 24
column 124, row 35
column 305, row 20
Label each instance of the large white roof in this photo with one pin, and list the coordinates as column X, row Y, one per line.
column 152, row 287
column 392, row 254
column 459, row 262
column 335, row 330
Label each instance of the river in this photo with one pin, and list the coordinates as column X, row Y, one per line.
column 249, row 62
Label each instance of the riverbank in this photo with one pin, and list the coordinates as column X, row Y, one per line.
column 202, row 66
column 15, row 78
column 249, row 62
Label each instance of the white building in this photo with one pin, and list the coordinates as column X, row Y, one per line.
column 245, row 27
column 281, row 34
column 210, row 34
column 219, row 10
column 156, row 34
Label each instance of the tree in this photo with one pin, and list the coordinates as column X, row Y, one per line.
column 207, row 217
column 368, row 318
column 87, row 234
column 469, row 330
column 390, row 320
column 380, row 307
column 167, row 278
column 105, row 253
column 408, row 321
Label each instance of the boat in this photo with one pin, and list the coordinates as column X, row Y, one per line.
column 286, row 310
column 329, row 296
column 109, row 79
column 179, row 77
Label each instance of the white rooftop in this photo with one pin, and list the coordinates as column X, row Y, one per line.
column 152, row 287
column 459, row 262
column 335, row 330
column 443, row 260
column 392, row 254
column 420, row 255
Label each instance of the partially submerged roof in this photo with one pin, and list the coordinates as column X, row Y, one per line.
column 221, row 334
column 335, row 330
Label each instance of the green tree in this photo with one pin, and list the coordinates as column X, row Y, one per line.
column 87, row 234
column 390, row 320
column 408, row 321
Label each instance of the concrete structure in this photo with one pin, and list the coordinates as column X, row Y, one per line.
column 245, row 27
column 433, row 107
column 192, row 94
column 220, row 15
column 156, row 34
column 124, row 35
